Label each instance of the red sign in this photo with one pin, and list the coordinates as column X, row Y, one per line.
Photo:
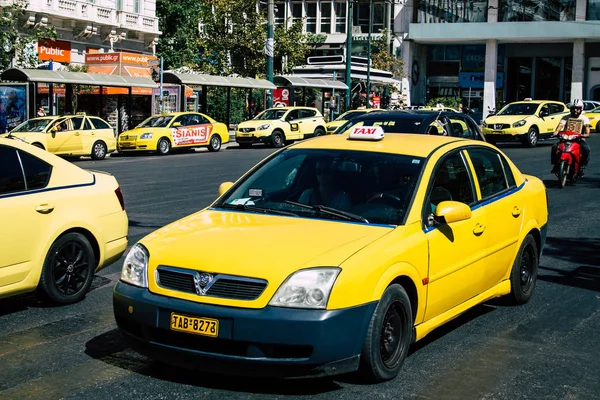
column 197, row 134
column 281, row 97
column 56, row 50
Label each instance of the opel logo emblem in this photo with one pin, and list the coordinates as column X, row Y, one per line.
column 201, row 281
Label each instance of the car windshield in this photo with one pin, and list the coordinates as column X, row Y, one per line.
column 407, row 123
column 360, row 186
column 156, row 122
column 33, row 125
column 271, row 114
column 519, row 109
column 350, row 115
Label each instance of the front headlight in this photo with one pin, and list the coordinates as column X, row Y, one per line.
column 263, row 127
column 309, row 288
column 519, row 124
column 146, row 136
column 135, row 267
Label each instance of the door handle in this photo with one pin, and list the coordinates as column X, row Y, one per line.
column 479, row 229
column 516, row 211
column 76, row 133
column 45, row 208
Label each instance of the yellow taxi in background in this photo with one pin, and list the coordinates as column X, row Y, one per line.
column 594, row 117
column 276, row 126
column 69, row 135
column 345, row 117
column 348, row 249
column 60, row 223
column 179, row 130
column 526, row 121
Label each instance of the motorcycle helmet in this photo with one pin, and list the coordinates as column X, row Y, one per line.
column 577, row 103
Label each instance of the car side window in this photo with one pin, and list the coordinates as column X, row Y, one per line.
column 99, row 124
column 451, row 182
column 307, row 113
column 202, row 119
column 193, row 119
column 293, row 115
column 182, row 119
column 37, row 172
column 76, row 121
column 463, row 128
column 490, row 172
column 11, row 174
column 87, row 126
column 556, row 108
column 545, row 110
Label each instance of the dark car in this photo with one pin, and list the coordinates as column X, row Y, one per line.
column 427, row 122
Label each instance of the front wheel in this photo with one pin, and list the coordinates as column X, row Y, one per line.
column 532, row 137
column 277, row 139
column 563, row 173
column 523, row 276
column 389, row 336
column 215, row 143
column 68, row 269
column 99, row 151
column 163, row 147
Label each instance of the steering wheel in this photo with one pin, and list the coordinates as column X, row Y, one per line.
column 390, row 199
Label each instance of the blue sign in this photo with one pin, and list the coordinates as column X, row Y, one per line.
column 475, row 80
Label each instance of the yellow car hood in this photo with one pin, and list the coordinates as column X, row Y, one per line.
column 505, row 119
column 335, row 124
column 138, row 131
column 256, row 123
column 256, row 245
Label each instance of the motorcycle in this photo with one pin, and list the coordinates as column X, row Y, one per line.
column 568, row 157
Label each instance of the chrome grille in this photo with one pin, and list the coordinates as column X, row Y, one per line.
column 500, row 126
column 222, row 286
column 246, row 130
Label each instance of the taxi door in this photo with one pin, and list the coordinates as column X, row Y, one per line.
column 25, row 218
column 546, row 121
column 504, row 204
column 309, row 121
column 87, row 136
column 67, row 140
column 297, row 128
column 457, row 261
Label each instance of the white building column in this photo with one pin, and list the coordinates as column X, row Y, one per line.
column 581, row 10
column 491, row 72
column 493, row 11
column 578, row 69
column 407, row 59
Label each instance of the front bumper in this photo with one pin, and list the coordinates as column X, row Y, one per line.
column 253, row 137
column 508, row 134
column 273, row 341
column 136, row 145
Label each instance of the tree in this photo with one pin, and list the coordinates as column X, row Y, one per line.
column 291, row 46
column 383, row 59
column 17, row 44
column 179, row 24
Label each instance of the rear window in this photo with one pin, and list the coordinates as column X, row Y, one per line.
column 99, row 124
column 37, row 172
column 404, row 124
column 11, row 174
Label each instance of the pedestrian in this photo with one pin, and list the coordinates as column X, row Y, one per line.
column 41, row 112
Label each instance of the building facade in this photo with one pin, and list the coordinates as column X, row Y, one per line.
column 497, row 51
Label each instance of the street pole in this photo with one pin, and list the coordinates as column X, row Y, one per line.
column 269, row 48
column 332, row 103
column 369, row 53
column 349, row 54
column 162, row 102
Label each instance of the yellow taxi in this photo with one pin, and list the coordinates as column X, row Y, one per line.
column 348, row 248
column 60, row 223
column 69, row 135
column 345, row 117
column 276, row 126
column 179, row 130
column 526, row 121
column 594, row 117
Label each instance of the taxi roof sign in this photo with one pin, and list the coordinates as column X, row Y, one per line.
column 367, row 133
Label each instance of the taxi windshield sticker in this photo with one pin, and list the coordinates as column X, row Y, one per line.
column 255, row 192
column 190, row 135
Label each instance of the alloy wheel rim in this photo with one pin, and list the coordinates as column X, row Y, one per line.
column 533, row 137
column 277, row 139
column 70, row 264
column 164, row 146
column 99, row 150
column 215, row 143
column 390, row 342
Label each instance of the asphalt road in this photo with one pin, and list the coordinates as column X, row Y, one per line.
column 546, row 349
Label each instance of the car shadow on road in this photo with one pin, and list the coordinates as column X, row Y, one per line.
column 110, row 348
column 583, row 277
column 579, row 251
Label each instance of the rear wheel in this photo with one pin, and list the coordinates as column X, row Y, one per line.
column 163, row 147
column 319, row 132
column 215, row 143
column 99, row 151
column 523, row 276
column 563, row 173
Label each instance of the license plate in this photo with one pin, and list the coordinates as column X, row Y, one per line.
column 243, row 134
column 127, row 143
column 199, row 326
column 497, row 132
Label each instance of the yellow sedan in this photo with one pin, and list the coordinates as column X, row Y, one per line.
column 60, row 223
column 332, row 126
column 181, row 130
column 347, row 249
column 594, row 117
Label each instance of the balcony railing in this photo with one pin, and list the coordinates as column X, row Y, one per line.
column 138, row 22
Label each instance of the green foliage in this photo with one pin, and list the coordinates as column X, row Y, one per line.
column 449, row 102
column 17, row 43
column 291, row 45
column 383, row 59
column 178, row 22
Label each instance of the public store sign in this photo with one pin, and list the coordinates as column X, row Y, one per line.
column 124, row 58
column 57, row 50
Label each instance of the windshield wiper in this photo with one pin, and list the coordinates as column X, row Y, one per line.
column 250, row 208
column 11, row 136
column 330, row 211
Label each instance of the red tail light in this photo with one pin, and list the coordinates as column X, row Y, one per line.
column 120, row 197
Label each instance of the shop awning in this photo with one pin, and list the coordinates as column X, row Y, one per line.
column 80, row 78
column 215, row 80
column 288, row 80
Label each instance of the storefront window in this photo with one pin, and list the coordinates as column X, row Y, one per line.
column 593, row 10
column 340, row 17
column 311, row 17
column 536, row 10
column 436, row 11
column 325, row 17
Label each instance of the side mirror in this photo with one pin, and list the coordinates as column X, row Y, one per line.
column 224, row 187
column 176, row 124
column 452, row 211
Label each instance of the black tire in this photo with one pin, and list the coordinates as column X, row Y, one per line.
column 319, row 132
column 523, row 276
column 563, row 174
column 277, row 139
column 99, row 150
column 163, row 147
column 215, row 143
column 68, row 269
column 39, row 146
column 389, row 336
column 245, row 145
column 532, row 137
